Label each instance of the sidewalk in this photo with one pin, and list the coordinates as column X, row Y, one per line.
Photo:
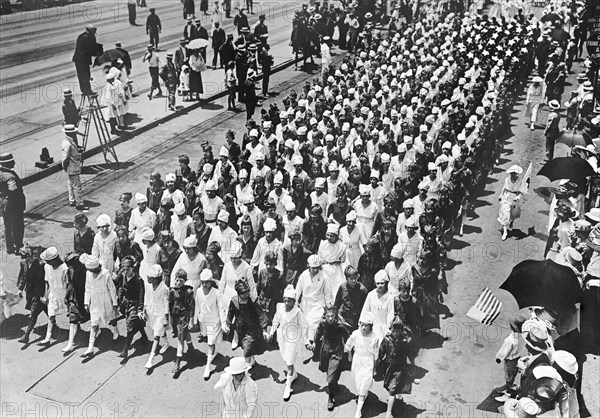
column 144, row 114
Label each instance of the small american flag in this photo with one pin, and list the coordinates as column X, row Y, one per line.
column 486, row 309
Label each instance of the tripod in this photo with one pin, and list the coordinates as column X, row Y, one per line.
column 90, row 110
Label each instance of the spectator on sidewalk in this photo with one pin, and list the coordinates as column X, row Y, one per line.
column 189, row 30
column 154, row 63
column 85, row 49
column 240, row 20
column 202, row 33
column 250, row 97
column 71, row 163
column 12, row 204
column 69, row 109
column 168, row 73
column 227, row 50
column 218, row 40
column 552, row 129
column 131, row 10
column 189, row 9
column 153, row 27
column 126, row 57
column 180, row 56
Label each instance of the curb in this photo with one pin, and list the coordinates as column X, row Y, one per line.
column 57, row 167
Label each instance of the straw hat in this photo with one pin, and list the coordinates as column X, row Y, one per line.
column 237, row 365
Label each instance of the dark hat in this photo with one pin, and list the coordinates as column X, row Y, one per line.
column 80, row 218
column 67, row 92
column 262, row 17
column 316, row 210
column 169, row 55
column 7, row 158
column 91, row 28
column 230, row 36
column 183, row 41
column 241, row 286
column 118, row 45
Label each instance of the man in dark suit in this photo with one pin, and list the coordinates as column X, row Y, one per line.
column 201, row 34
column 218, row 39
column 153, row 27
column 260, row 28
column 180, row 56
column 251, row 99
column 241, row 70
column 168, row 73
column 240, row 20
column 86, row 48
column 227, row 50
column 189, row 31
column 12, row 204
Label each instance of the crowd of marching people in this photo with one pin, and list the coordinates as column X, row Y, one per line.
column 323, row 227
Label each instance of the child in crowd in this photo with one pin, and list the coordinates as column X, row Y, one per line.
column 184, row 83
column 182, row 310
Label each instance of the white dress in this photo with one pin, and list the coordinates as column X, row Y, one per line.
column 156, row 302
column 100, row 296
column 382, row 309
column 333, row 255
column 57, row 284
column 192, row 268
column 227, row 239
column 262, row 247
column 139, row 221
column 354, row 242
column 509, row 207
column 179, row 228
column 366, row 350
column 292, row 332
column 210, row 312
column 397, row 274
column 151, row 256
column 314, row 295
column 104, row 250
column 365, row 218
column 231, row 275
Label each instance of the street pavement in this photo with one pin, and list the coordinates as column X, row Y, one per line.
column 456, row 366
column 35, row 62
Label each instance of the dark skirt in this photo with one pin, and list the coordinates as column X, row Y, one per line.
column 253, row 342
column 330, row 362
column 180, row 325
column 204, row 5
column 196, row 82
column 397, row 380
column 78, row 314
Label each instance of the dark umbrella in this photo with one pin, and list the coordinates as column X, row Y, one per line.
column 560, row 35
column 572, row 168
column 544, row 283
column 109, row 56
column 551, row 17
column 571, row 138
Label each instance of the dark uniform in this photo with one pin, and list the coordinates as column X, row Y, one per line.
column 32, row 280
column 130, row 296
column 12, row 206
column 86, row 48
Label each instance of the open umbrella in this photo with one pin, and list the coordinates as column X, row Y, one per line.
column 197, row 44
column 571, row 137
column 109, row 56
column 560, row 35
column 551, row 17
column 572, row 168
column 544, row 283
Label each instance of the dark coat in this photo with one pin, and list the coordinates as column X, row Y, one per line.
column 86, row 48
column 218, row 38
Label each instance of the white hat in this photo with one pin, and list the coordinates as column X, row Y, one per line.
column 515, row 169
column 441, row 159
column 314, row 261
column 243, row 174
column 554, row 104
column 91, row 262
column 302, row 130
column 210, row 186
column 179, row 209
column 270, row 225
column 423, row 128
column 381, row 276
column 297, row 160
column 170, row 177
column 278, row 178
column 253, row 132
column 140, row 198
column 407, row 140
column 207, row 169
column 206, row 275
column 237, row 365
column 398, row 251
column 461, row 137
column 364, row 189
column 224, row 152
column 319, row 182
column 223, row 216
column 447, row 145
column 289, row 292
column 103, row 220
column 49, row 253
column 333, row 166
column 155, row 271
column 546, row 371
column 147, row 234
column 431, row 167
column 290, row 206
column 522, row 408
column 367, row 318
column 385, row 158
column 190, row 242
column 351, row 216
column 259, row 156
column 565, row 361
column 333, row 228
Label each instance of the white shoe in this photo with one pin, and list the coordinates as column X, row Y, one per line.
column 88, row 352
column 149, row 364
column 207, row 371
column 115, row 333
column 287, row 393
column 164, row 348
column 68, row 348
column 504, row 235
column 417, row 381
